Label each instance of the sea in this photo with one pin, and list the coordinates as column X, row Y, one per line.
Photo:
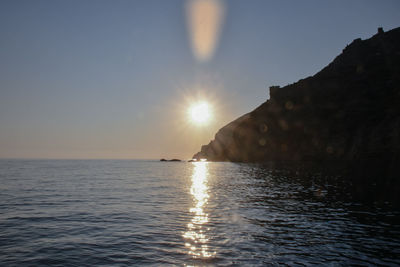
column 152, row 213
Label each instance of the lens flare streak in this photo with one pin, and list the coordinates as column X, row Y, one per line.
column 204, row 18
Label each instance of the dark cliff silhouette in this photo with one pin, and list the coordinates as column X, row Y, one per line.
column 350, row 110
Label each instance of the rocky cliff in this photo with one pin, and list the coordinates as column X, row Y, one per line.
column 349, row 110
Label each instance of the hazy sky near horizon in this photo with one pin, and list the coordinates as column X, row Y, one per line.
column 114, row 79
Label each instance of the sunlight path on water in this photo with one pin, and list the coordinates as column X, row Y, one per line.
column 195, row 236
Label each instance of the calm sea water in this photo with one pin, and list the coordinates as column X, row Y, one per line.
column 121, row 212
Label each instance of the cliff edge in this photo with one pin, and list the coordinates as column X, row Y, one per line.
column 349, row 110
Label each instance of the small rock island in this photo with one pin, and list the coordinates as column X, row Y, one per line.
column 170, row 160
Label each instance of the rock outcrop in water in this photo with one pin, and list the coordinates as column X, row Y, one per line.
column 350, row 110
column 170, row 160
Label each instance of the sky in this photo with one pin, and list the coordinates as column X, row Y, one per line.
column 115, row 79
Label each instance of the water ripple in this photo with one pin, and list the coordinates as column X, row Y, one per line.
column 123, row 213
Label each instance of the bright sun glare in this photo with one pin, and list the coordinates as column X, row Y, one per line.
column 200, row 113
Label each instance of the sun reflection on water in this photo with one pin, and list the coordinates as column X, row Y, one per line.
column 195, row 236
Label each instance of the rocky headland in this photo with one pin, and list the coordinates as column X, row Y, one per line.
column 350, row 110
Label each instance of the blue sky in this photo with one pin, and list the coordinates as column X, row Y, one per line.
column 113, row 79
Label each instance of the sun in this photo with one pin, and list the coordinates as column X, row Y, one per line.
column 200, row 113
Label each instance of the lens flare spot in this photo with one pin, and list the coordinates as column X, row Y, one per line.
column 204, row 18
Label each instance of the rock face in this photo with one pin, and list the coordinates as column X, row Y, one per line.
column 349, row 110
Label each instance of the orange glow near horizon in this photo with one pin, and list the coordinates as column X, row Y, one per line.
column 204, row 18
